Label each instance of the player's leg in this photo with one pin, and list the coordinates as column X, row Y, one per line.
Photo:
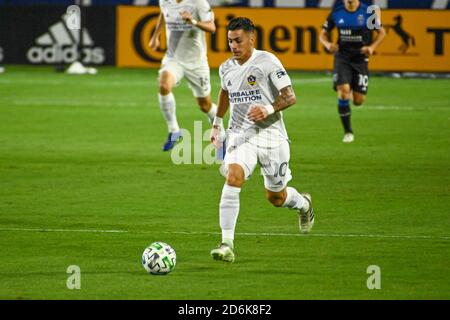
column 277, row 174
column 208, row 107
column 240, row 164
column 290, row 198
column 344, row 95
column 360, row 82
column 199, row 82
column 169, row 75
column 342, row 84
column 358, row 98
column 229, row 211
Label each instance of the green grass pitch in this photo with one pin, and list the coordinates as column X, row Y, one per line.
column 81, row 154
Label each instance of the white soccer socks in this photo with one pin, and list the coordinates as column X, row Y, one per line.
column 295, row 200
column 212, row 113
column 229, row 211
column 168, row 106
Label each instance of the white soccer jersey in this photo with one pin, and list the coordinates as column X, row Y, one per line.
column 185, row 42
column 257, row 81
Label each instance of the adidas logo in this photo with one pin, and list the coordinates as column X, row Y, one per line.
column 229, row 83
column 341, row 21
column 59, row 45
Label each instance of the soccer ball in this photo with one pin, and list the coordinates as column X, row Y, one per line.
column 159, row 258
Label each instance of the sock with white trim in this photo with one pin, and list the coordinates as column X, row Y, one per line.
column 212, row 113
column 229, row 211
column 167, row 105
column 295, row 200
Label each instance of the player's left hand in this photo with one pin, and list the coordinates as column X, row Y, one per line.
column 257, row 113
column 367, row 50
column 186, row 16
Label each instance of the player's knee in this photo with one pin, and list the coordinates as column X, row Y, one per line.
column 164, row 88
column 357, row 101
column 276, row 199
column 204, row 104
column 234, row 180
column 344, row 92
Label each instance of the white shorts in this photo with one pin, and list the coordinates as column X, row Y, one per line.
column 198, row 77
column 274, row 162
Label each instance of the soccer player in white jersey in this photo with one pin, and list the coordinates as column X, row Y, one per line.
column 256, row 87
column 186, row 22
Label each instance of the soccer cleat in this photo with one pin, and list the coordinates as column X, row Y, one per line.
column 172, row 139
column 223, row 253
column 306, row 219
column 348, row 137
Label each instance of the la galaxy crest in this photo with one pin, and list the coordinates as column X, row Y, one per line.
column 360, row 19
column 251, row 80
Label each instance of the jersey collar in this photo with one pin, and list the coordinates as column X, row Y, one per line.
column 246, row 63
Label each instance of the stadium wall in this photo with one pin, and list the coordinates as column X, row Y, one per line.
column 39, row 35
column 417, row 40
column 385, row 4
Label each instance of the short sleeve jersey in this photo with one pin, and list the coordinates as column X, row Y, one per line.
column 256, row 82
column 185, row 42
column 353, row 30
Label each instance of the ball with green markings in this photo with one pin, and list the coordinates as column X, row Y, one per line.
column 159, row 258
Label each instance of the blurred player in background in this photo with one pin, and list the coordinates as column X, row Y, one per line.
column 256, row 86
column 351, row 55
column 186, row 22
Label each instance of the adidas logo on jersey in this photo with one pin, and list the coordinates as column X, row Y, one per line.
column 59, row 45
column 229, row 83
column 341, row 21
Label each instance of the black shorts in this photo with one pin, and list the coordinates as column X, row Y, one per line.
column 356, row 74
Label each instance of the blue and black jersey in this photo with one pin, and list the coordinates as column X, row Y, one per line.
column 353, row 31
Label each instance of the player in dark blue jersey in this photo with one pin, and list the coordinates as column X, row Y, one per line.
column 355, row 24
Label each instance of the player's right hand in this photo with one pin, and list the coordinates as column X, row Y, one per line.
column 332, row 47
column 217, row 136
column 154, row 43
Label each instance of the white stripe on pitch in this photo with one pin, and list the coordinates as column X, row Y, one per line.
column 77, row 103
column 325, row 235
column 62, row 230
column 400, row 108
column 314, row 80
column 252, row 234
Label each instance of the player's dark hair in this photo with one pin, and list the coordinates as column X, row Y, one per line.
column 241, row 23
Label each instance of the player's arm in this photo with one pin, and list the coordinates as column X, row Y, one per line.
column 324, row 36
column 369, row 50
column 325, row 40
column 208, row 26
column 285, row 99
column 223, row 104
column 154, row 40
column 381, row 34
